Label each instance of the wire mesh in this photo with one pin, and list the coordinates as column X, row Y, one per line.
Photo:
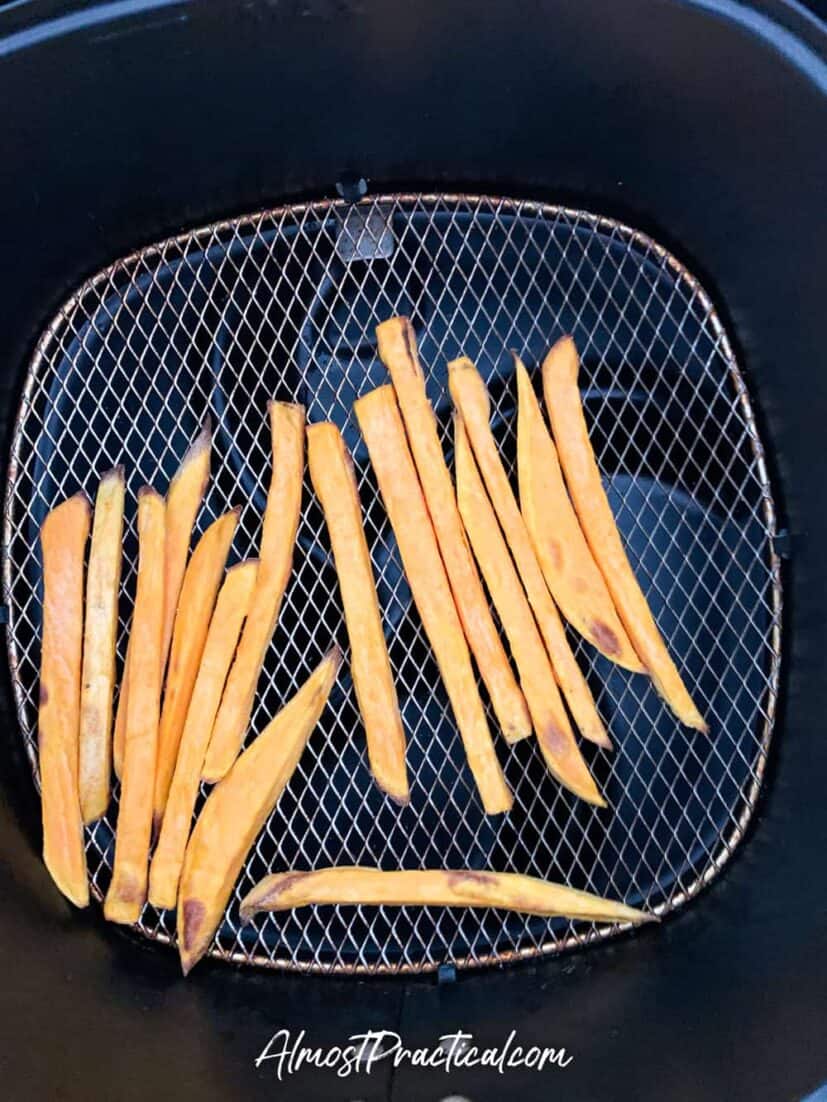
column 283, row 304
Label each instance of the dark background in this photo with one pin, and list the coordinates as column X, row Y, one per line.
column 699, row 124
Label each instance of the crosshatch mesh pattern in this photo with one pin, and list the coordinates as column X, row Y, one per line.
column 283, row 304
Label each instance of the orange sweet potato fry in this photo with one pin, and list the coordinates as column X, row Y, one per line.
column 281, row 521
column 398, row 352
column 63, row 540
column 349, row 885
column 397, row 349
column 127, row 890
column 195, row 606
column 565, row 558
column 331, row 471
column 384, row 433
column 225, row 627
column 237, row 809
column 471, row 399
column 183, row 499
column 103, row 583
column 551, row 722
column 560, row 370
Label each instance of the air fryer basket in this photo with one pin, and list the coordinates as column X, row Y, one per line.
column 283, row 304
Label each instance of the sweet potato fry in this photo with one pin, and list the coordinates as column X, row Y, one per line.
column 63, row 541
column 183, row 499
column 195, row 607
column 471, row 399
column 103, row 582
column 281, row 521
column 560, row 370
column 230, row 610
column 551, row 722
column 331, row 471
column 348, row 885
column 565, row 558
column 397, row 349
column 384, row 433
column 127, row 891
column 237, row 809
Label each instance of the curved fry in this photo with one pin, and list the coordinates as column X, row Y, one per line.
column 384, row 433
column 565, row 558
column 63, row 538
column 331, row 471
column 397, row 350
column 225, row 627
column 471, row 399
column 356, row 884
column 281, row 522
column 237, row 809
column 551, row 722
column 195, row 607
column 560, row 370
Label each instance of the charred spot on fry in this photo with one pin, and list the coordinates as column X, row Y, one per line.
column 555, row 552
column 608, row 641
column 286, row 881
column 194, row 912
column 468, row 876
column 553, row 738
column 130, row 891
column 407, row 336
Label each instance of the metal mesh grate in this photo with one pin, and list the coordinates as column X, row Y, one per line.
column 283, row 304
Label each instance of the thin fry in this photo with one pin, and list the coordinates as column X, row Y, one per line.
column 331, row 471
column 225, row 627
column 397, row 349
column 349, row 885
column 381, row 425
column 237, row 809
column 560, row 370
column 103, row 583
column 63, row 540
column 471, row 399
column 127, row 891
column 565, row 558
column 184, row 496
column 195, row 606
column 281, row 522
column 551, row 722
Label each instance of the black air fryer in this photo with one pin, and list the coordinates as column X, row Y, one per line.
column 209, row 206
